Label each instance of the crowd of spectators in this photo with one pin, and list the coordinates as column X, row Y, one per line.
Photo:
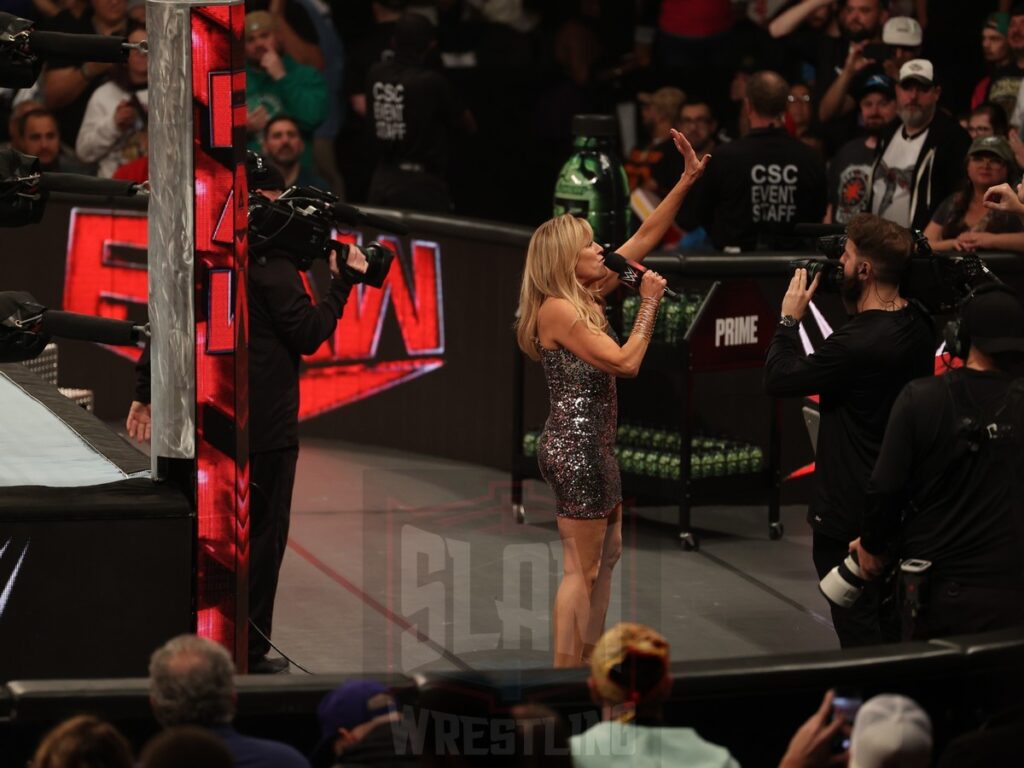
column 462, row 720
column 466, row 106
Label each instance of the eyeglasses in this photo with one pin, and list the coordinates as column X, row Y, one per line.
column 979, row 130
column 692, row 120
column 805, row 98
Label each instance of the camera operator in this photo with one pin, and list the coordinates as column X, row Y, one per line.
column 858, row 372
column 945, row 489
column 284, row 324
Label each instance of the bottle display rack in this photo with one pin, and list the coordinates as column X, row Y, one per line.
column 671, row 460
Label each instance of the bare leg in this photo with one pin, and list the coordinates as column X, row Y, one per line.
column 582, row 542
column 602, row 591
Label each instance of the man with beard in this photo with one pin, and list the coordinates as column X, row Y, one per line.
column 283, row 146
column 919, row 162
column 1000, row 86
column 860, row 21
column 849, row 172
column 857, row 372
column 697, row 123
column 40, row 137
column 901, row 37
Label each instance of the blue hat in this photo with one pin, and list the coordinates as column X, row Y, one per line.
column 878, row 84
column 353, row 703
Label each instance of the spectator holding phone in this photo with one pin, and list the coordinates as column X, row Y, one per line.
column 901, row 41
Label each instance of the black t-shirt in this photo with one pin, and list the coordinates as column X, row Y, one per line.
column 963, row 518
column 993, row 221
column 832, row 53
column 411, row 111
column 858, row 372
column 69, row 117
column 849, row 180
column 661, row 162
column 284, row 324
column 366, row 52
column 755, row 189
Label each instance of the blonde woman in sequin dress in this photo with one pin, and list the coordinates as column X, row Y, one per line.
column 562, row 324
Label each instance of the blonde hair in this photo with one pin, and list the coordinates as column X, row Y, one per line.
column 550, row 272
column 628, row 665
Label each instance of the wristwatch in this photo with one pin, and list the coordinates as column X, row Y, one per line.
column 788, row 321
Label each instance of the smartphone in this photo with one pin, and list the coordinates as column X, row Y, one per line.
column 878, row 52
column 845, row 704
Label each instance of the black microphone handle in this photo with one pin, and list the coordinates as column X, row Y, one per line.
column 102, row 330
column 104, row 48
column 620, row 265
column 80, row 184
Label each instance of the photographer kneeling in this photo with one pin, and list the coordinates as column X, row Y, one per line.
column 858, row 373
column 945, row 495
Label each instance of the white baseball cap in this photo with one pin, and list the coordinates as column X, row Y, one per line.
column 918, row 69
column 902, row 30
column 891, row 730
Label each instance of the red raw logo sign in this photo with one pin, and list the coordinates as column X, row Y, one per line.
column 106, row 276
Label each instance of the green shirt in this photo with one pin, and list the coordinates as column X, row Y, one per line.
column 301, row 94
column 611, row 743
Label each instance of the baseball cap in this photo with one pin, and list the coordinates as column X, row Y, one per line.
column 626, row 651
column 994, row 320
column 995, row 145
column 999, row 21
column 918, row 69
column 258, row 21
column 902, row 30
column 666, row 100
column 891, row 730
column 877, row 84
column 353, row 703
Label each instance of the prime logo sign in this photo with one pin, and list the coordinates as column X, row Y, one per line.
column 106, row 275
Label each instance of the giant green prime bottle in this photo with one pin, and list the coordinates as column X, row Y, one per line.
column 592, row 184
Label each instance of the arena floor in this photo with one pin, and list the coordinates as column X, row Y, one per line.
column 404, row 563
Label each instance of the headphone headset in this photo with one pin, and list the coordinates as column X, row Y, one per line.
column 958, row 341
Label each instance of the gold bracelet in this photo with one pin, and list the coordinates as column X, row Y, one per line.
column 646, row 317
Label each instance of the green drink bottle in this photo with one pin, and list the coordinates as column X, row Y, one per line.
column 592, row 184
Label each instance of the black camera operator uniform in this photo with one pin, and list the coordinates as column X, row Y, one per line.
column 946, row 489
column 858, row 372
column 756, row 189
column 284, row 324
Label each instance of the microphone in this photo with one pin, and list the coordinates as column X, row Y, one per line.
column 100, row 48
column 101, row 330
column 26, row 327
column 18, row 33
column 80, row 184
column 630, row 273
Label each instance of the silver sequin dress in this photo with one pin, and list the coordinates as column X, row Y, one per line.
column 576, row 450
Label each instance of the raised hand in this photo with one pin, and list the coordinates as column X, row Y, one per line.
column 694, row 167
